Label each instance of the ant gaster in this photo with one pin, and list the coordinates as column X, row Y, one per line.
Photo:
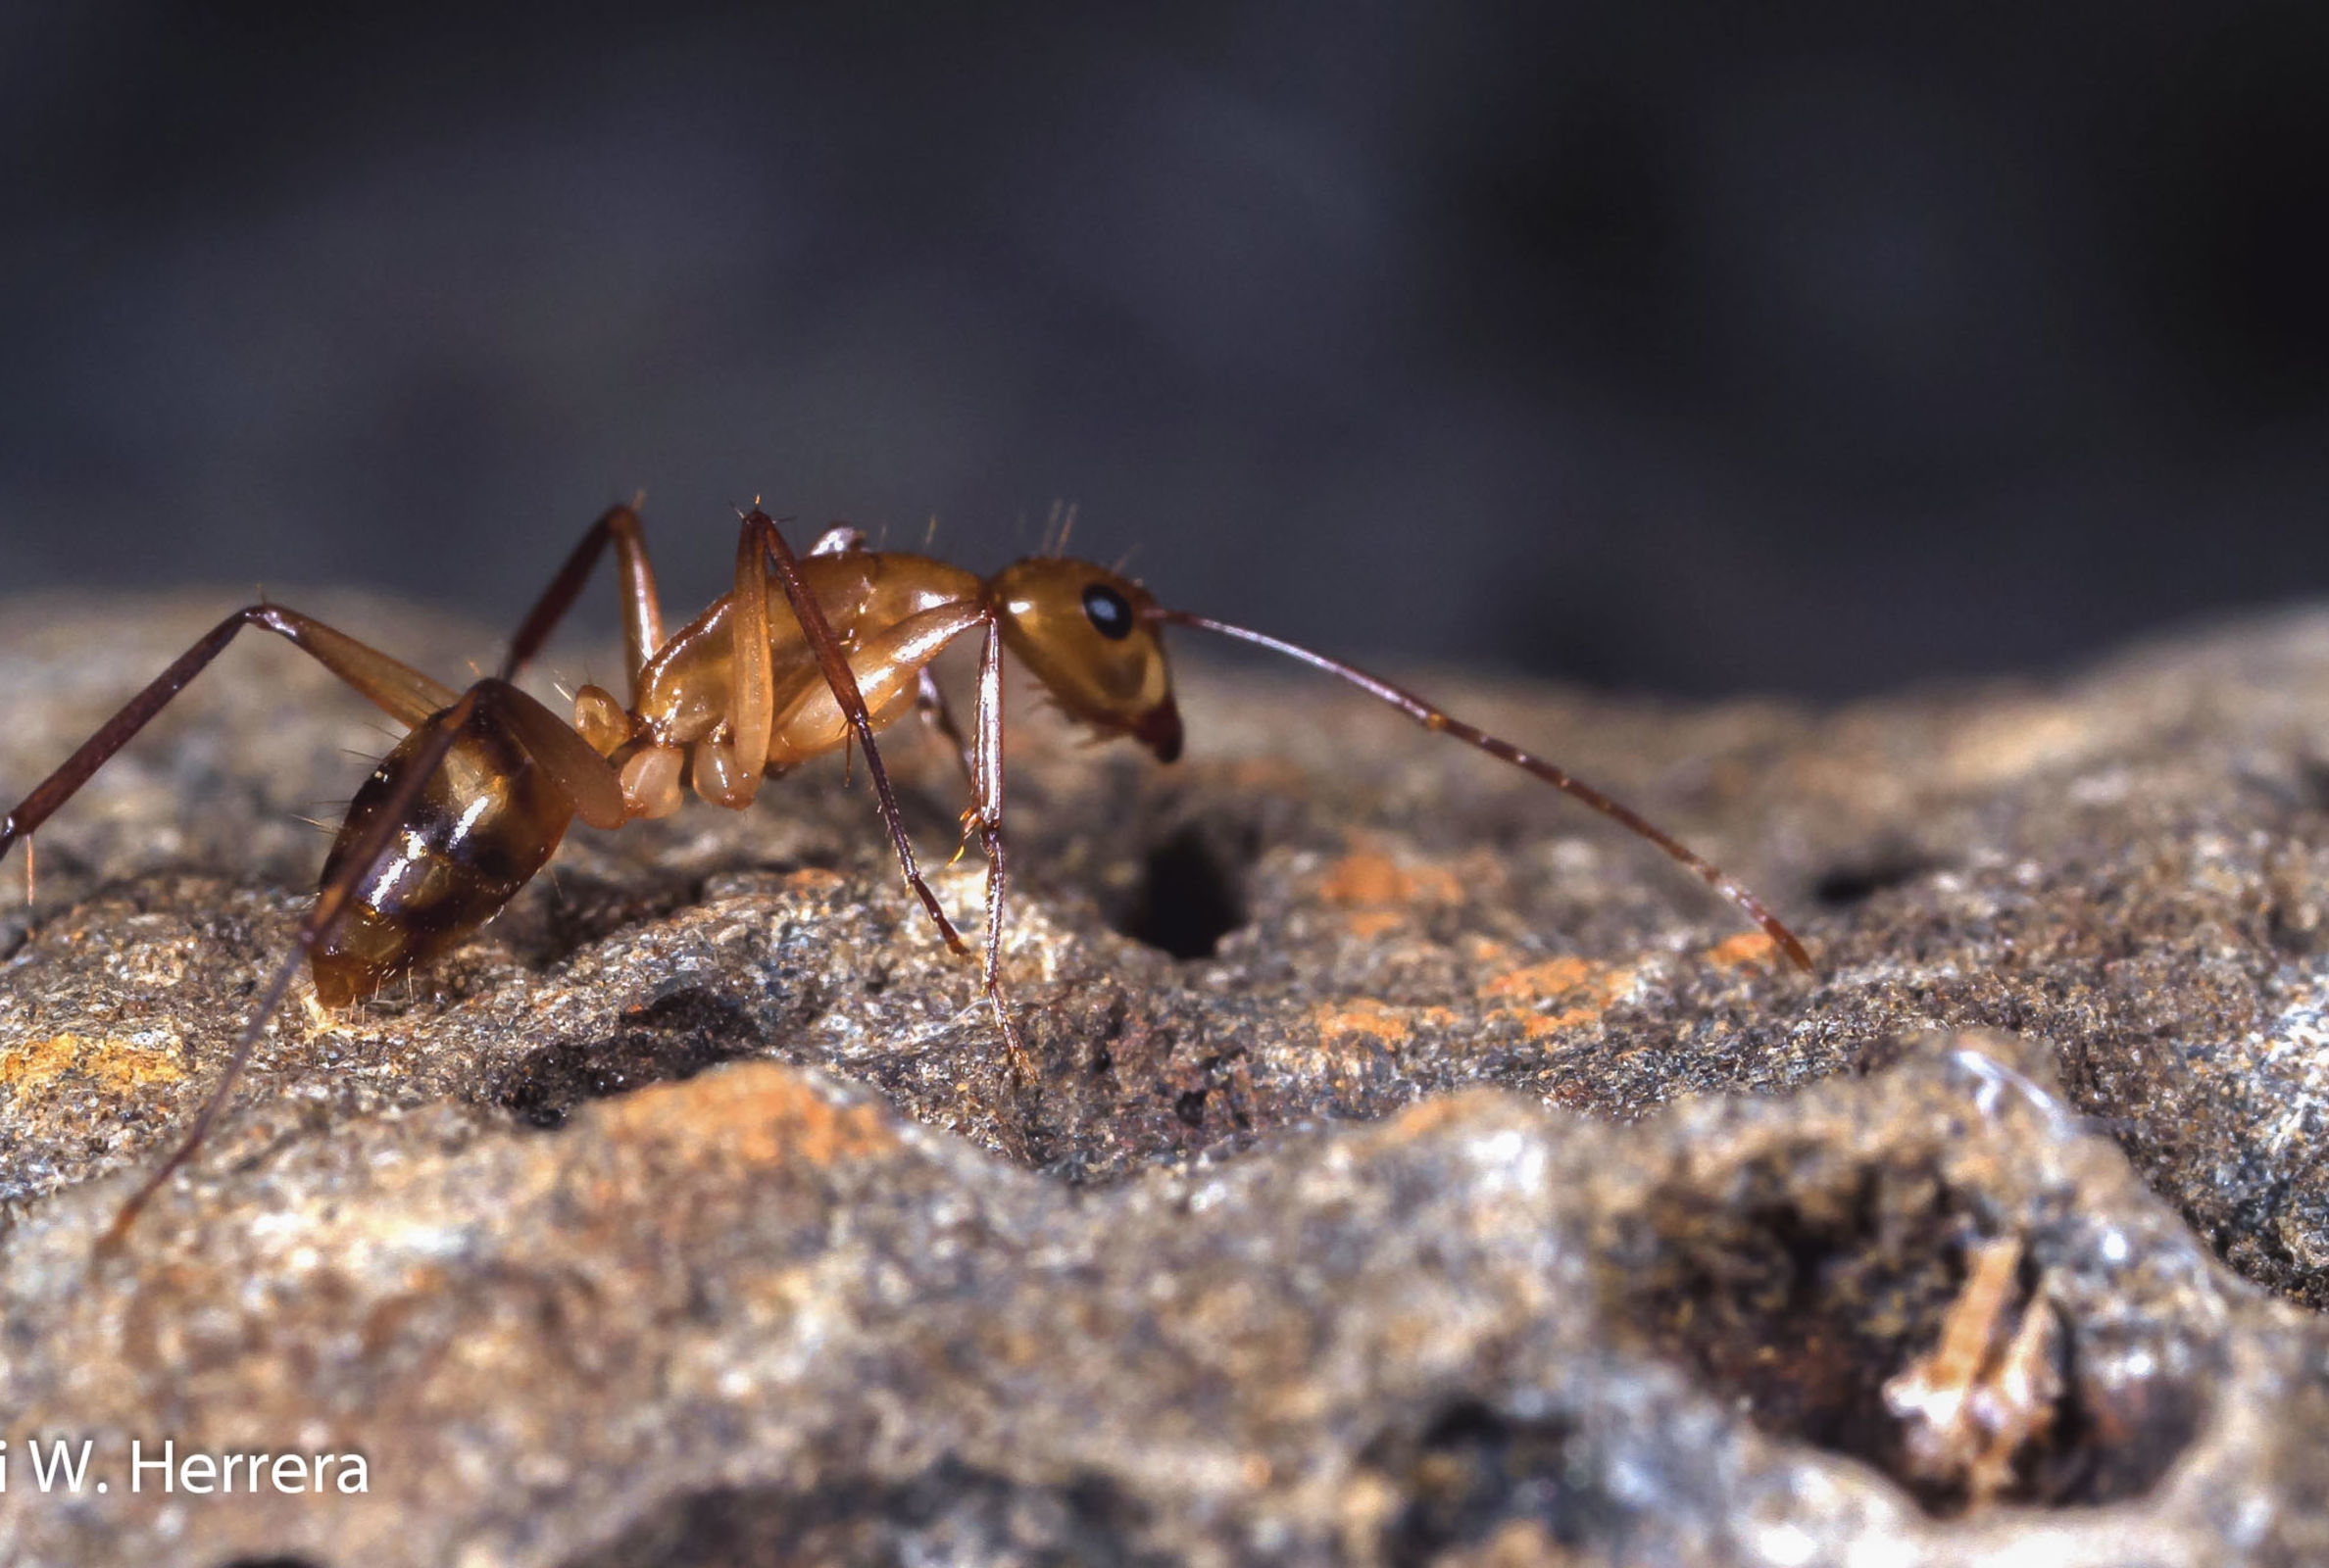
column 804, row 656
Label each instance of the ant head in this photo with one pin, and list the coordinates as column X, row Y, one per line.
column 1089, row 636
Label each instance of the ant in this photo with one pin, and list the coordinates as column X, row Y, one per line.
column 804, row 656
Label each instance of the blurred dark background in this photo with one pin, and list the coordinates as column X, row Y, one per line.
column 1700, row 348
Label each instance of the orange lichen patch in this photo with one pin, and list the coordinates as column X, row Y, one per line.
column 1587, row 989
column 1537, row 1025
column 1739, row 952
column 117, row 1064
column 758, row 1114
column 1368, row 924
column 1541, row 982
column 1367, row 880
column 1364, row 1016
column 815, row 879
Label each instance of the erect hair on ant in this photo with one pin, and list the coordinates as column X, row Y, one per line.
column 804, row 656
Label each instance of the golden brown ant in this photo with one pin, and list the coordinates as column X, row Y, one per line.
column 476, row 797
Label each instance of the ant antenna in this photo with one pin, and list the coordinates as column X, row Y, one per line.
column 1433, row 719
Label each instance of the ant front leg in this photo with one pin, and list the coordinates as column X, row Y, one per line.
column 761, row 534
column 987, row 807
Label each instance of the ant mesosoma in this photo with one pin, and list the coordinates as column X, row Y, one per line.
column 806, row 655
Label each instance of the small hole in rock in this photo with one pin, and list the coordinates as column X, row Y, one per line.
column 675, row 1037
column 573, row 910
column 1189, row 895
column 1814, row 1303
column 1843, row 886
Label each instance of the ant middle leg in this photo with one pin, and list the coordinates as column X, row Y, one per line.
column 651, row 778
column 642, row 610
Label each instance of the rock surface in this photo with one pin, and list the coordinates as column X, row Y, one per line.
column 1972, row 1286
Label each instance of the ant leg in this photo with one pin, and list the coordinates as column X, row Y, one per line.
column 322, row 918
column 752, row 665
column 404, row 693
column 642, row 611
column 585, row 777
column 987, row 807
column 929, row 700
column 761, row 531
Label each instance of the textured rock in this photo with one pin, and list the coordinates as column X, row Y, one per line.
column 1151, row 1306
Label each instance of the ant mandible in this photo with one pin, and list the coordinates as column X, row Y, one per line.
column 473, row 801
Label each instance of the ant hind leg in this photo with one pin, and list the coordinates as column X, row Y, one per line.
column 404, row 693
column 331, row 904
column 580, row 775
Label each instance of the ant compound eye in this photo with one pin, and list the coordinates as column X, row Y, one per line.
column 1109, row 612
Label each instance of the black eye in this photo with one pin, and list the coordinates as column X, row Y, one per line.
column 1110, row 614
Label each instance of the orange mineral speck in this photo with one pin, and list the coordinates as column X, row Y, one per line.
column 758, row 1114
column 1739, row 952
column 1378, row 1021
column 1541, row 982
column 117, row 1064
column 1587, row 988
column 1367, row 879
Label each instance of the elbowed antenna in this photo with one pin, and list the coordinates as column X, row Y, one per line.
column 1432, row 718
